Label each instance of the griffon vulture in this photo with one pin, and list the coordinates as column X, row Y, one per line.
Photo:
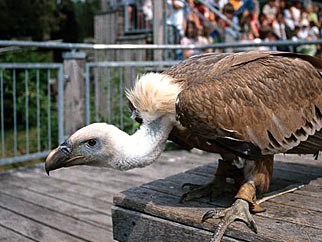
column 245, row 106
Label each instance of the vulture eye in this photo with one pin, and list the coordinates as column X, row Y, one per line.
column 91, row 142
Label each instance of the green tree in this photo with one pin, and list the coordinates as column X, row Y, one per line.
column 34, row 19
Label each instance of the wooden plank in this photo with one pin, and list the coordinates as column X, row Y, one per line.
column 83, row 214
column 25, row 229
column 285, row 210
column 62, row 191
column 299, row 159
column 300, row 201
column 317, row 182
column 70, row 186
column 167, row 207
column 7, row 235
column 311, row 191
column 134, row 226
column 66, row 224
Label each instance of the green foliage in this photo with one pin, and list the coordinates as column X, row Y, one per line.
column 35, row 84
column 71, row 21
column 27, row 18
column 84, row 14
column 26, row 56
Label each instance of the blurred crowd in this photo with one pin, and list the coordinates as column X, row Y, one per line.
column 213, row 21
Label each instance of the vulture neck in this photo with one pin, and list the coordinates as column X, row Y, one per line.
column 144, row 146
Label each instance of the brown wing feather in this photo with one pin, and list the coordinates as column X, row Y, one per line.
column 272, row 100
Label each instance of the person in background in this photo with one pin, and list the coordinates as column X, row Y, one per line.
column 306, row 33
column 312, row 14
column 175, row 25
column 248, row 19
column 147, row 9
column 296, row 12
column 270, row 10
column 230, row 34
column 192, row 38
column 280, row 28
column 192, row 16
column 219, row 4
column 131, row 7
column 175, row 16
column 288, row 16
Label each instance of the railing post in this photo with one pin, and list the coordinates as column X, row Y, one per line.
column 74, row 93
column 158, row 27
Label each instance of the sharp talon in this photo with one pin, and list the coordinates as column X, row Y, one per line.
column 208, row 215
column 238, row 211
column 252, row 226
column 183, row 198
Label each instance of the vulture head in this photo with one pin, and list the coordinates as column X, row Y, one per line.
column 104, row 145
column 92, row 145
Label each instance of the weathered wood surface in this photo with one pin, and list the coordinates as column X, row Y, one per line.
column 152, row 212
column 74, row 204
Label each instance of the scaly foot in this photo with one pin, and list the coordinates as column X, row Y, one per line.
column 211, row 190
column 239, row 211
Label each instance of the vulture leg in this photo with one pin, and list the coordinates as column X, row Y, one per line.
column 226, row 169
column 257, row 175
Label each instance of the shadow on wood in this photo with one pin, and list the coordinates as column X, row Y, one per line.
column 152, row 212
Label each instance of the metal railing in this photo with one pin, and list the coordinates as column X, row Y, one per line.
column 32, row 98
column 105, row 85
column 28, row 108
column 100, row 47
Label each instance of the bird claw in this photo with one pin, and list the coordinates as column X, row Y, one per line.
column 239, row 211
column 211, row 190
column 196, row 191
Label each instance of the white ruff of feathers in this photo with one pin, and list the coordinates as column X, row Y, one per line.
column 154, row 98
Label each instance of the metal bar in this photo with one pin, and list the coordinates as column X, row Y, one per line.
column 130, row 63
column 30, row 65
column 8, row 49
column 48, row 109
column 61, row 130
column 55, row 45
column 109, row 95
column 121, row 75
column 22, row 158
column 126, row 18
column 133, row 80
column 27, row 109
column 97, row 91
column 87, row 95
column 38, row 110
column 2, row 116
column 14, row 99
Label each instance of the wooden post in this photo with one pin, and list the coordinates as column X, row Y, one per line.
column 158, row 26
column 74, row 91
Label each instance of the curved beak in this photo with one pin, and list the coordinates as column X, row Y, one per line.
column 57, row 158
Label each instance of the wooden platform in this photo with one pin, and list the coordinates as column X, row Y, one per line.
column 75, row 204
column 152, row 212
